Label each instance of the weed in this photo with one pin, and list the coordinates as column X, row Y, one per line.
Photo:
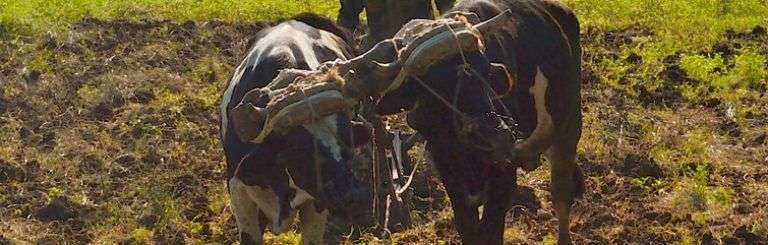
column 702, row 68
column 142, row 236
column 549, row 239
column 649, row 184
column 686, row 236
column 693, row 198
column 289, row 237
column 750, row 69
column 728, row 84
column 195, row 227
column 89, row 95
column 515, row 234
column 53, row 193
column 167, row 99
column 208, row 96
column 41, row 62
column 696, row 144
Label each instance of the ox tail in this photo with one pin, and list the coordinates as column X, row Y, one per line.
column 578, row 181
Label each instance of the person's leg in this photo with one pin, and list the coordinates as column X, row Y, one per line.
column 444, row 5
column 349, row 13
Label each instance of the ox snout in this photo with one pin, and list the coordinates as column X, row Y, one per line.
column 348, row 198
column 354, row 206
column 491, row 134
column 357, row 206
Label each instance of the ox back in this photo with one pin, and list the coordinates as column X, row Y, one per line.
column 541, row 50
column 270, row 182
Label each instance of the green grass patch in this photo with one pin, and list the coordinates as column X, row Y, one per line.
column 700, row 202
column 289, row 237
column 142, row 236
column 27, row 17
column 684, row 23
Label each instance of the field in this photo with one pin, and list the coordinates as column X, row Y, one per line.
column 109, row 124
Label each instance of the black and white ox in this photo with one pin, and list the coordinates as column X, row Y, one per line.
column 463, row 82
column 303, row 169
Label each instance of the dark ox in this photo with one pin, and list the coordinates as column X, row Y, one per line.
column 462, row 82
column 304, row 169
column 540, row 48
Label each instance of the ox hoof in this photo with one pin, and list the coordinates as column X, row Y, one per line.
column 530, row 164
column 527, row 162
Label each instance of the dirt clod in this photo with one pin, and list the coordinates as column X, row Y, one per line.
column 747, row 236
column 638, row 166
column 59, row 208
column 759, row 30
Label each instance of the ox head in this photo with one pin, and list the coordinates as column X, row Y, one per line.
column 445, row 56
column 458, row 90
column 314, row 158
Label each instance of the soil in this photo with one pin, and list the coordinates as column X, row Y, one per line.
column 112, row 170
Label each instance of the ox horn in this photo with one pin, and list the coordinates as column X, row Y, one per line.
column 425, row 47
column 453, row 42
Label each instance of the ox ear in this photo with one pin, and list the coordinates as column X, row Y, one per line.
column 500, row 78
column 257, row 97
column 361, row 134
column 248, row 117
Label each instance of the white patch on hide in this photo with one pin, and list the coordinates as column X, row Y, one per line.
column 266, row 201
column 544, row 125
column 301, row 196
column 246, row 211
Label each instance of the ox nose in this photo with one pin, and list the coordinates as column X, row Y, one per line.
column 353, row 205
column 487, row 132
column 346, row 194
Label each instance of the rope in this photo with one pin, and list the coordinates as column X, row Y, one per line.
column 439, row 97
column 455, row 38
column 410, row 179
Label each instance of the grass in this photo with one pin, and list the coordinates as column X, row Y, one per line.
column 680, row 25
column 31, row 17
column 132, row 138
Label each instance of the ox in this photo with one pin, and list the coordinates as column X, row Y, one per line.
column 540, row 48
column 305, row 169
column 488, row 97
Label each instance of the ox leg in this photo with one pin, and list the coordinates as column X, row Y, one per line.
column 312, row 223
column 452, row 171
column 444, row 5
column 562, row 99
column 250, row 221
column 499, row 192
column 465, row 216
column 567, row 184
